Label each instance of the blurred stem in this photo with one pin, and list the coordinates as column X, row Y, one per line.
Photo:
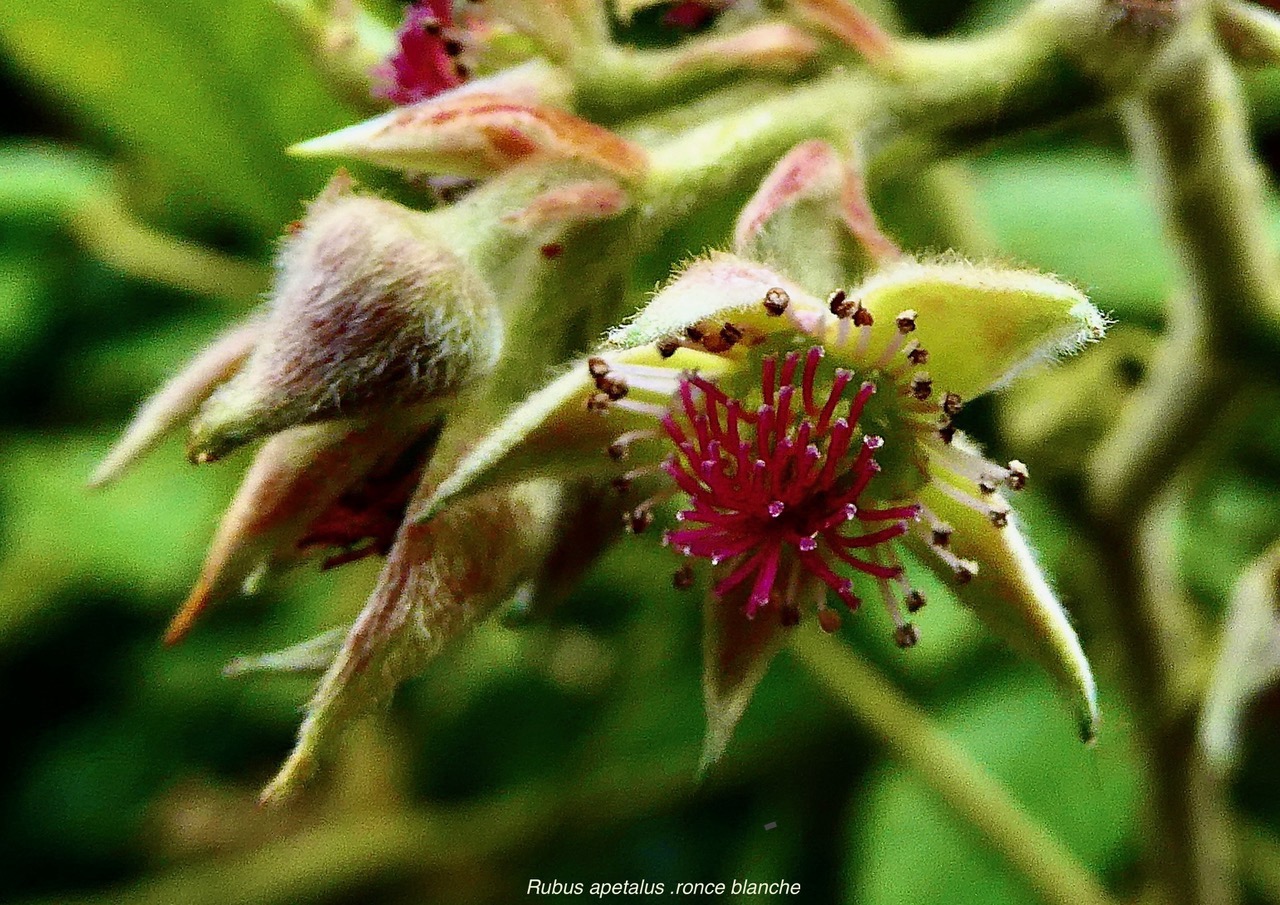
column 110, row 232
column 1188, row 129
column 1260, row 857
column 966, row 788
column 344, row 855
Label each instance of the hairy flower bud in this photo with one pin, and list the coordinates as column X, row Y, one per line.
column 371, row 309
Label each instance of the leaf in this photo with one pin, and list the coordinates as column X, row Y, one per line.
column 908, row 847
column 203, row 96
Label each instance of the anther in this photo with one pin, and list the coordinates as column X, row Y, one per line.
column 694, row 333
column 829, row 621
column 431, row 27
column 947, row 432
column 667, row 346
column 952, row 403
column 789, row 615
column 906, row 321
column 922, row 386
column 617, row 450
column 598, row 367
column 776, row 301
column 682, row 578
column 598, row 402
column 613, row 387
column 1000, row 517
column 986, row 486
column 862, row 317
column 1017, row 478
column 638, row 519
column 941, row 536
column 452, row 47
column 963, row 572
column 906, row 635
column 915, row 601
column 840, row 304
column 731, row 334
column 621, row 484
column 917, row 354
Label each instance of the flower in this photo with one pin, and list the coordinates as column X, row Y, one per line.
column 795, row 396
column 811, row 437
column 426, row 61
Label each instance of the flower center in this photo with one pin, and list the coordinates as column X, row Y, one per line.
column 776, row 491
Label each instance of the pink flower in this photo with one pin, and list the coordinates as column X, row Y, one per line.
column 426, row 62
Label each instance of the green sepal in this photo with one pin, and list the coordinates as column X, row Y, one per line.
column 1011, row 596
column 736, row 652
column 554, row 432
column 980, row 325
column 718, row 289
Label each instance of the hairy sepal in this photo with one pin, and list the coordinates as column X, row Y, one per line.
column 718, row 289
column 474, row 134
column 371, row 309
column 1011, row 595
column 553, row 432
column 981, row 325
column 438, row 580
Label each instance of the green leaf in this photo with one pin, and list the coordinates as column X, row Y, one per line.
column 1082, row 215
column 204, row 96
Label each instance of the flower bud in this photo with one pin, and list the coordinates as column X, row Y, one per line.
column 811, row 218
column 371, row 310
column 469, row 133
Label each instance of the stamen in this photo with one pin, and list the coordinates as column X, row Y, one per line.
column 667, row 346
column 997, row 515
column 773, row 492
column 621, row 444
column 776, row 301
column 963, row 569
column 922, row 386
column 683, row 578
column 841, row 305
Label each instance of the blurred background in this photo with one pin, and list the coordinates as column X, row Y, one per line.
column 142, row 186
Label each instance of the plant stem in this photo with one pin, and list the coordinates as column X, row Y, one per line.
column 967, row 789
column 1189, row 131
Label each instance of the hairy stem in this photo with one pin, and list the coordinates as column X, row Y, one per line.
column 967, row 789
column 1188, row 130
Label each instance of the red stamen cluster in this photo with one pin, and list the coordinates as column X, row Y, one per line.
column 425, row 63
column 365, row 519
column 773, row 489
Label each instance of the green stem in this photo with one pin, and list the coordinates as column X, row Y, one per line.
column 1188, row 129
column 111, row 233
column 966, row 788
